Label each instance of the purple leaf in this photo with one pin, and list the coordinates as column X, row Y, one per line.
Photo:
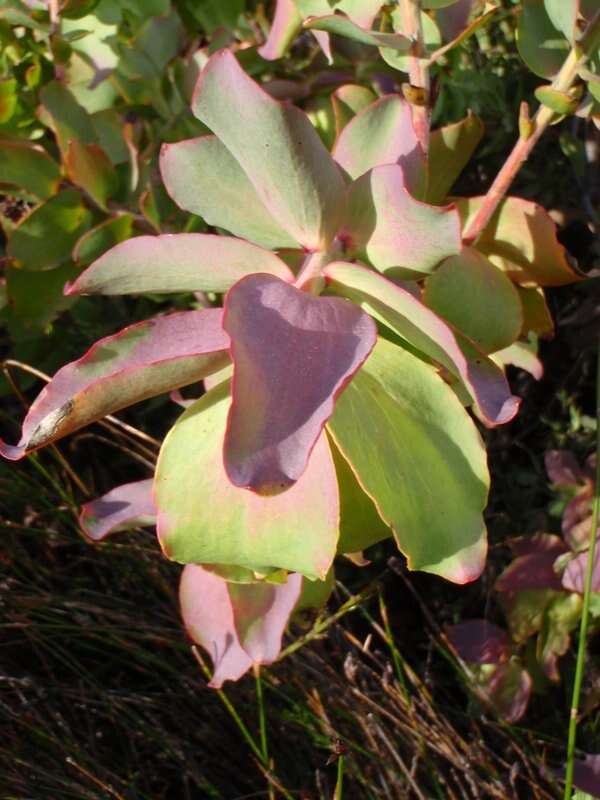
column 577, row 518
column 276, row 146
column 125, row 507
column 562, row 468
column 140, row 361
column 292, row 355
column 382, row 133
column 509, row 690
column 479, row 641
column 180, row 262
column 586, row 775
column 536, row 544
column 534, row 569
column 573, row 578
column 238, row 625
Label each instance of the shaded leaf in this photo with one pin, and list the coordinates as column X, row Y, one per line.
column 563, row 468
column 396, row 231
column 90, row 168
column 36, row 298
column 541, row 46
column 450, row 150
column 573, row 578
column 586, row 775
column 561, row 616
column 125, row 507
column 476, row 297
column 204, row 518
column 45, row 238
column 536, row 314
column 479, row 641
column 202, row 176
column 69, row 119
column 177, row 262
column 141, row 361
column 524, row 611
column 418, row 455
column 292, row 354
column 342, row 25
column 98, row 240
column 421, row 328
column 292, row 172
column 509, row 690
column 535, row 568
column 29, row 167
column 348, row 100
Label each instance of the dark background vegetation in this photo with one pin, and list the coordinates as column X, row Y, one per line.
column 100, row 694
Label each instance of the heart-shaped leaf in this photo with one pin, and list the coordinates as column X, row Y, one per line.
column 203, row 177
column 292, row 172
column 125, row 507
column 383, row 133
column 140, row 361
column 292, row 354
column 177, row 262
column 398, row 233
column 418, row 455
column 420, row 327
column 237, row 624
column 204, row 518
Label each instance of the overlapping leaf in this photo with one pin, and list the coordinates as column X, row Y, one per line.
column 124, row 507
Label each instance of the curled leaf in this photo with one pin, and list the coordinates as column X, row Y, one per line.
column 127, row 506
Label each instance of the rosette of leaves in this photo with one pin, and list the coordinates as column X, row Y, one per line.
column 344, row 421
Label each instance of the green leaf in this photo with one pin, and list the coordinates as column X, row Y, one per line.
column 90, row 168
column 98, row 240
column 203, row 518
column 202, row 176
column 36, row 298
column 29, row 167
column 349, row 100
column 563, row 15
column 450, row 150
column 214, row 14
column 476, row 297
column 8, row 98
column 69, row 119
column 541, row 46
column 45, row 237
column 431, row 35
column 418, row 455
column 292, row 172
column 341, row 25
column 561, row 615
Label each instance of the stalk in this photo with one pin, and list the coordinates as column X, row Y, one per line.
column 583, row 628
column 418, row 71
column 579, row 54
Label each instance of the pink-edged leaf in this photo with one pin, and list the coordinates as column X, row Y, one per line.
column 127, row 506
column 141, row 361
column 286, row 24
column 522, row 355
column 573, row 578
column 237, row 624
column 383, row 133
column 563, row 468
column 586, row 774
column 292, row 354
column 418, row 325
column 342, row 25
column 509, row 690
column 397, row 232
column 533, row 568
column 178, row 262
column 479, row 641
column 349, row 100
column 203, row 177
column 284, row 158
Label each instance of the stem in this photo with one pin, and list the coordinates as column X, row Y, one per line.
column 578, row 55
column 340, row 779
column 262, row 722
column 418, row 71
column 583, row 629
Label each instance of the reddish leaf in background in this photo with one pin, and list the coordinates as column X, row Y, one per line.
column 534, row 566
column 562, row 468
column 586, row 775
column 479, row 642
column 238, row 625
column 124, row 507
column 574, row 575
column 292, row 355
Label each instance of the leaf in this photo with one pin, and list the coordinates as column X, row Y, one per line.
column 561, row 616
column 534, row 569
column 349, row 100
column 479, row 641
column 563, row 468
column 399, row 234
column 141, row 361
column 421, row 328
column 90, row 168
column 586, row 774
column 292, row 172
column 559, row 102
column 563, row 16
column 382, row 133
column 342, row 25
column 98, row 240
column 202, row 176
column 8, row 98
column 536, row 314
column 44, row 238
column 522, row 355
column 238, row 625
column 509, row 690
column 418, row 455
column 36, row 298
column 178, row 262
column 476, row 297
column 360, row 524
column 70, row 120
column 521, row 239
column 431, row 37
column 292, row 354
column 573, row 578
column 125, row 507
column 540, row 45
column 29, row 167
column 203, row 518
column 524, row 611
column 286, row 24
column 450, row 150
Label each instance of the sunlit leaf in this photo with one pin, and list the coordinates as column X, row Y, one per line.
column 418, row 455
column 125, row 507
column 141, row 361
column 348, row 100
column 293, row 354
column 177, row 262
column 341, row 25
column 286, row 24
column 541, row 46
column 204, row 518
